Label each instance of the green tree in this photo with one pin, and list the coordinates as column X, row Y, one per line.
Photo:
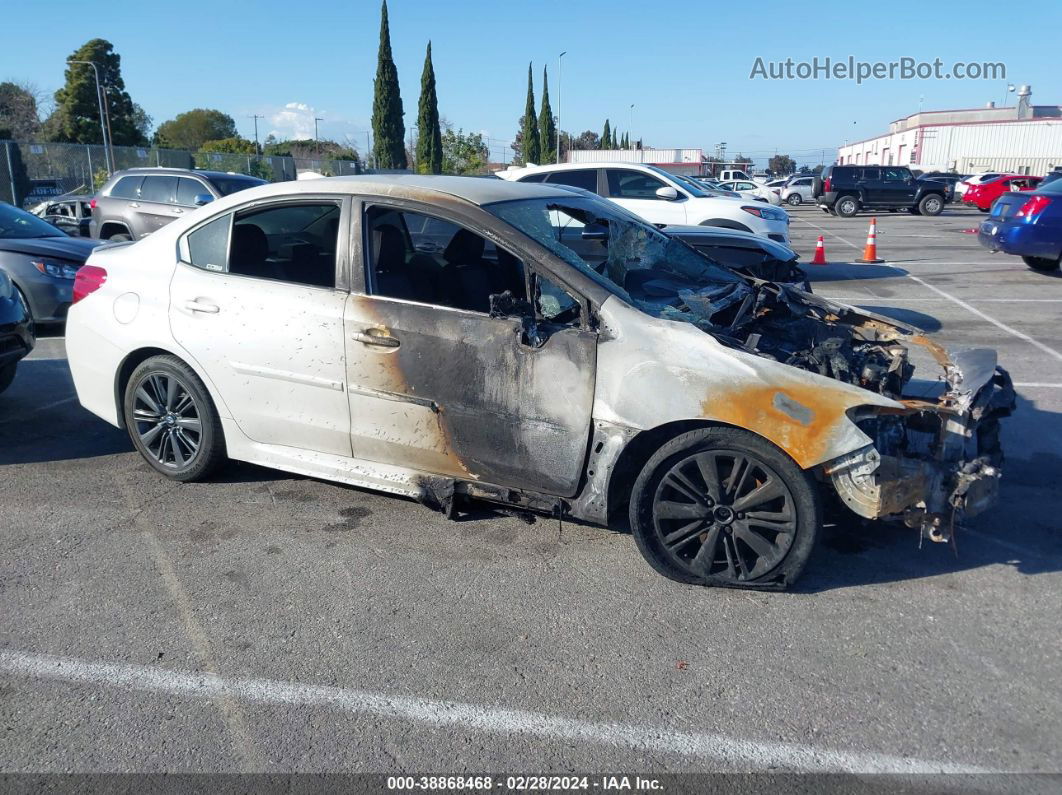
column 547, row 125
column 18, row 112
column 781, row 164
column 531, row 150
column 388, row 129
column 587, row 139
column 429, row 136
column 234, row 145
column 193, row 128
column 77, row 117
column 463, row 153
column 606, row 136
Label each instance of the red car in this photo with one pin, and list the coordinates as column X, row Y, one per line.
column 983, row 194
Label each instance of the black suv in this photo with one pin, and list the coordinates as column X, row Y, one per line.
column 845, row 190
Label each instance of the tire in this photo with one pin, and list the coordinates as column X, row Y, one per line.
column 931, row 204
column 846, row 206
column 7, row 375
column 793, row 200
column 1042, row 264
column 120, row 237
column 673, row 481
column 163, row 420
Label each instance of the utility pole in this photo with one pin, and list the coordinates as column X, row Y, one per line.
column 103, row 121
column 257, row 149
column 315, row 136
column 560, row 97
column 630, row 129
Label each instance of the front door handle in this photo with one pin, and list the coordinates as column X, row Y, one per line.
column 377, row 337
column 202, row 306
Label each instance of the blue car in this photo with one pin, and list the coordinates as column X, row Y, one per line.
column 1028, row 224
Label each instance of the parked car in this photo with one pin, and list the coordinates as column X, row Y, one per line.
column 948, row 180
column 72, row 215
column 1028, row 225
column 41, row 261
column 1051, row 177
column 798, row 190
column 318, row 328
column 964, row 185
column 660, row 197
column 136, row 202
column 753, row 191
column 983, row 194
column 16, row 330
column 845, row 190
column 744, row 252
column 729, row 174
column 712, row 188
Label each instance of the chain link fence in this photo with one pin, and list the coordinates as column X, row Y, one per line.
column 33, row 172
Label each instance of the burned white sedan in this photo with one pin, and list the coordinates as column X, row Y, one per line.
column 451, row 338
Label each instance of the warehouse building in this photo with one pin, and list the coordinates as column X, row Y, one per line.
column 1022, row 139
column 677, row 161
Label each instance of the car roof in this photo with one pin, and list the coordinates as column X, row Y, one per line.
column 535, row 169
column 409, row 186
column 176, row 172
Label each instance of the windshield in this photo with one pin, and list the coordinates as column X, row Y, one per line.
column 16, row 224
column 657, row 273
column 231, row 184
column 1053, row 188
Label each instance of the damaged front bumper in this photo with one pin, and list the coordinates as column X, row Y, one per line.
column 933, row 461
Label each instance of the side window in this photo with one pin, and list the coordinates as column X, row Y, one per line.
column 431, row 260
column 188, row 189
column 553, row 303
column 127, row 188
column 585, row 178
column 632, row 184
column 293, row 243
column 871, row 173
column 159, row 189
column 895, row 174
column 208, row 246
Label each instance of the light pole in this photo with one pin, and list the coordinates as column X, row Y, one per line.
column 256, row 117
column 560, row 95
column 316, row 138
column 630, row 128
column 103, row 122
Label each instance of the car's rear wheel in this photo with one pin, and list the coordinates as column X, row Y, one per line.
column 793, row 199
column 931, row 205
column 7, row 375
column 846, row 206
column 722, row 506
column 1042, row 264
column 172, row 420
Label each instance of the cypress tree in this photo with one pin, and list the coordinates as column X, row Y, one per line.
column 546, row 124
column 532, row 151
column 388, row 129
column 429, row 136
column 606, row 136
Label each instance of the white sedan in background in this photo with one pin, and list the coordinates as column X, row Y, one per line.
column 750, row 190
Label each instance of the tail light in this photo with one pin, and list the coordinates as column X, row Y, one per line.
column 89, row 279
column 826, row 185
column 1033, row 206
column 92, row 204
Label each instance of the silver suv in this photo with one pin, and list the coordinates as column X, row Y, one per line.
column 139, row 201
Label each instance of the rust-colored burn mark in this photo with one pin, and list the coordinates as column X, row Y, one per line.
column 800, row 419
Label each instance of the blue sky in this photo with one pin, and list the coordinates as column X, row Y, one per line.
column 684, row 65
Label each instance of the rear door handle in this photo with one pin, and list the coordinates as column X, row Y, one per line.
column 202, row 306
column 377, row 337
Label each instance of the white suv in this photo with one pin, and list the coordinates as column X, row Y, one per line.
column 660, row 197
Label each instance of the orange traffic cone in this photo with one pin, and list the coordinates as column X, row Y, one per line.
column 820, row 253
column 870, row 250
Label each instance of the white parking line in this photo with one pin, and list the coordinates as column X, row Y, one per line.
column 958, row 301
column 851, row 298
column 743, row 754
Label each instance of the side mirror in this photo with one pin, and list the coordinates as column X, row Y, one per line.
column 667, row 193
column 202, row 198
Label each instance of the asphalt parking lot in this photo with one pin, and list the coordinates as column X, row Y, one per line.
column 268, row 622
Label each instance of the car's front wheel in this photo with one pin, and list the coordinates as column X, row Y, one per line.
column 931, row 205
column 172, row 420
column 793, row 199
column 722, row 506
column 1042, row 264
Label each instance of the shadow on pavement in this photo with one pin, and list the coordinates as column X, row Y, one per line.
column 849, row 271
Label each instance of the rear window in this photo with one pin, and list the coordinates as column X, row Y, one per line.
column 1053, row 188
column 585, row 178
column 159, row 189
column 871, row 173
column 127, row 188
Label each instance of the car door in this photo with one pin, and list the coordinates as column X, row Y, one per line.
column 440, row 383
column 898, row 186
column 870, row 185
column 158, row 194
column 636, row 191
column 256, row 302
